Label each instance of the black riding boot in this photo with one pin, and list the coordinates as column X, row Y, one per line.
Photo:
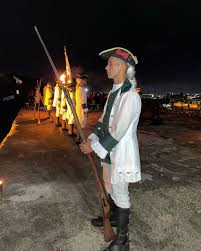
column 49, row 116
column 57, row 121
column 98, row 222
column 64, row 126
column 70, row 129
column 121, row 243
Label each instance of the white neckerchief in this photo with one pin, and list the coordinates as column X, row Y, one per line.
column 116, row 87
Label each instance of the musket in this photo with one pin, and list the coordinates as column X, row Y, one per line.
column 108, row 231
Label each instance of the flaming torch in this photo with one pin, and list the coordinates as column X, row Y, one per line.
column 63, row 78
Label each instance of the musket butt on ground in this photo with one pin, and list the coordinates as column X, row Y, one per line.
column 109, row 234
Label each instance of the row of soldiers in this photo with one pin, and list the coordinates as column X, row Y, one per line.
column 56, row 98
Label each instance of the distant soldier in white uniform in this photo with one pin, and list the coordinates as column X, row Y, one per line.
column 57, row 102
column 70, row 117
column 81, row 102
column 47, row 98
column 63, row 110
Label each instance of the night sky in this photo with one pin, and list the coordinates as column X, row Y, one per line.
column 164, row 35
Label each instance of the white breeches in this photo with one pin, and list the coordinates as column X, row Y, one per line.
column 119, row 192
column 57, row 112
column 70, row 116
column 58, row 108
column 64, row 114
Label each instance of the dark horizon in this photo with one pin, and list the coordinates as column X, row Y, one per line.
column 165, row 36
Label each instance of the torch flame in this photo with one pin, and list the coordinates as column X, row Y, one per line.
column 1, row 182
column 62, row 78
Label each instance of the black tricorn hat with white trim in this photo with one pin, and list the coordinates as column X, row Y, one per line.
column 82, row 76
column 121, row 53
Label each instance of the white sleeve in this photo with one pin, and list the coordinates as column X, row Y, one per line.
column 97, row 147
column 93, row 137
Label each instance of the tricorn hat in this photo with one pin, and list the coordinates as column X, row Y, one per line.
column 121, row 53
column 82, row 76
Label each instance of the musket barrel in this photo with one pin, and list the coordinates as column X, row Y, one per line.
column 108, row 231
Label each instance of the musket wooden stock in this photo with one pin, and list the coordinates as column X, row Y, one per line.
column 108, row 231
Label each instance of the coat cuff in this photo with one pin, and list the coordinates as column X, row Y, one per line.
column 108, row 142
column 93, row 137
column 99, row 149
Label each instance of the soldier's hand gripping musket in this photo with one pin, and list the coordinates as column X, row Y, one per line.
column 108, row 231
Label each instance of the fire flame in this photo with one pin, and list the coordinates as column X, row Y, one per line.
column 62, row 78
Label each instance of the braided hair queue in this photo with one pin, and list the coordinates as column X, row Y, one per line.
column 131, row 75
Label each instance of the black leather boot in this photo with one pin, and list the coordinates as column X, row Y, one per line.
column 98, row 222
column 64, row 126
column 70, row 129
column 121, row 243
column 49, row 116
column 57, row 122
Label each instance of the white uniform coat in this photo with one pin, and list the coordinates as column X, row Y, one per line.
column 57, row 99
column 124, row 117
column 69, row 115
column 47, row 96
column 63, row 110
column 81, row 98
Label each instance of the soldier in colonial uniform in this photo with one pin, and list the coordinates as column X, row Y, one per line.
column 114, row 140
column 57, row 102
column 63, row 110
column 47, row 98
column 81, row 102
column 70, row 117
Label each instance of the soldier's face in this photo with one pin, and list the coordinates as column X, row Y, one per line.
column 81, row 81
column 84, row 82
column 78, row 81
column 113, row 67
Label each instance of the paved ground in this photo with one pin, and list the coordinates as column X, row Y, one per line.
column 50, row 195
